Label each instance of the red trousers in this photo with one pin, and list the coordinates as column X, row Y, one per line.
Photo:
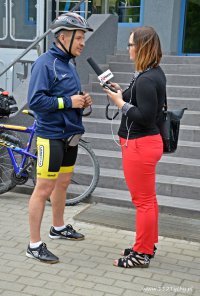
column 140, row 157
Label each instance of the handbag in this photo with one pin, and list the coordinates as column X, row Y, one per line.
column 169, row 125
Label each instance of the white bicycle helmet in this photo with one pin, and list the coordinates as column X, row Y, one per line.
column 70, row 21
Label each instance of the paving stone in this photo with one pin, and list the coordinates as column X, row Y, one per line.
column 25, row 272
column 191, row 284
column 5, row 285
column 29, row 281
column 56, row 287
column 132, row 293
column 8, row 276
column 76, row 275
column 167, row 279
column 100, row 280
column 37, row 291
column 186, row 276
column 109, row 289
column 11, row 293
column 52, row 278
column 129, row 285
column 87, row 292
column 94, row 272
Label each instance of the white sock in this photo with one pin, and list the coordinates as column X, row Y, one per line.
column 58, row 228
column 35, row 245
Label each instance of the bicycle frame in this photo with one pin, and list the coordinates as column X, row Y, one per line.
column 19, row 169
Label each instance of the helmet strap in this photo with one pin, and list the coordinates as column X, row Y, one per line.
column 71, row 42
column 64, row 48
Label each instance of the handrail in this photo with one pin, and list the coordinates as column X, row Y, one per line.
column 35, row 43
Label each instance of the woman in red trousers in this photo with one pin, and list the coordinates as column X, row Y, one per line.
column 142, row 147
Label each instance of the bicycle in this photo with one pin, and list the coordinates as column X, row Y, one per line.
column 18, row 163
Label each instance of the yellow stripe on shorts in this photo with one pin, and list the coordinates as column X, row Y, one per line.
column 68, row 169
column 43, row 148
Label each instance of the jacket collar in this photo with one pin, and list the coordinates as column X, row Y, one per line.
column 58, row 53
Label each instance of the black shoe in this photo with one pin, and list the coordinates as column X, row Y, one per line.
column 127, row 251
column 67, row 233
column 42, row 254
column 133, row 260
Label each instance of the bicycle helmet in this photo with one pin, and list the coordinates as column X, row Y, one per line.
column 70, row 21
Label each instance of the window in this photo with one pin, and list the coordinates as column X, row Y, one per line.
column 4, row 21
column 127, row 10
column 31, row 12
column 191, row 42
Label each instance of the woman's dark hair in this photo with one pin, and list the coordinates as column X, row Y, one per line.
column 148, row 48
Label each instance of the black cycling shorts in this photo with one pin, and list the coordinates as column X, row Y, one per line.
column 54, row 158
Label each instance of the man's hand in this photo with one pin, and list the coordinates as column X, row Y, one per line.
column 88, row 100
column 78, row 101
column 81, row 101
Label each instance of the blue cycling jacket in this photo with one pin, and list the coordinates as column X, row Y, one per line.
column 53, row 81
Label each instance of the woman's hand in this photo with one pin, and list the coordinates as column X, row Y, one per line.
column 115, row 97
column 115, row 85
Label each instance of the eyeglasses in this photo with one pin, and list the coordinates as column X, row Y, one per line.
column 130, row 45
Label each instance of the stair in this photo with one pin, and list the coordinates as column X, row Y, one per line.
column 178, row 174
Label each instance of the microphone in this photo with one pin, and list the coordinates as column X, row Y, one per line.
column 102, row 76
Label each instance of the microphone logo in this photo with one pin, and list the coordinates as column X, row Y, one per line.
column 105, row 76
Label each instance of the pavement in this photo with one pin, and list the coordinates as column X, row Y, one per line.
column 86, row 267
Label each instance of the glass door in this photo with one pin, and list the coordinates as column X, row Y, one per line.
column 23, row 20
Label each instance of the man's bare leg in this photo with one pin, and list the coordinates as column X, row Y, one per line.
column 58, row 198
column 41, row 193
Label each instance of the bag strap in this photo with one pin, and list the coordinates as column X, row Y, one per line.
column 165, row 104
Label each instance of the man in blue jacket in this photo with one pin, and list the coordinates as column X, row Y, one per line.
column 55, row 97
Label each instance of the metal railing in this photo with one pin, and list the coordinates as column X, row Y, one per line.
column 75, row 8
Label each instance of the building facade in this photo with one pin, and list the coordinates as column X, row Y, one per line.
column 176, row 21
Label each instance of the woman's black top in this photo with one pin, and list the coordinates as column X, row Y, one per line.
column 147, row 96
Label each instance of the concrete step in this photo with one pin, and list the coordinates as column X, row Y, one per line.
column 172, row 90
column 128, row 67
column 189, row 118
column 165, row 185
column 104, row 126
column 167, row 204
column 182, row 187
column 193, row 104
column 106, row 142
column 168, row 165
column 165, row 59
column 172, row 79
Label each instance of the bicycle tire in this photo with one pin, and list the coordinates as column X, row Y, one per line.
column 6, row 167
column 85, row 176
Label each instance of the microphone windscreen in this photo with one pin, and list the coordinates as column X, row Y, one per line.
column 94, row 66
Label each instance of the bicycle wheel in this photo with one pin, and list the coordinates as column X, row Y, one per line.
column 6, row 167
column 85, row 176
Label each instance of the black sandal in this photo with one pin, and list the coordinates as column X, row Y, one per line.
column 133, row 260
column 127, row 251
